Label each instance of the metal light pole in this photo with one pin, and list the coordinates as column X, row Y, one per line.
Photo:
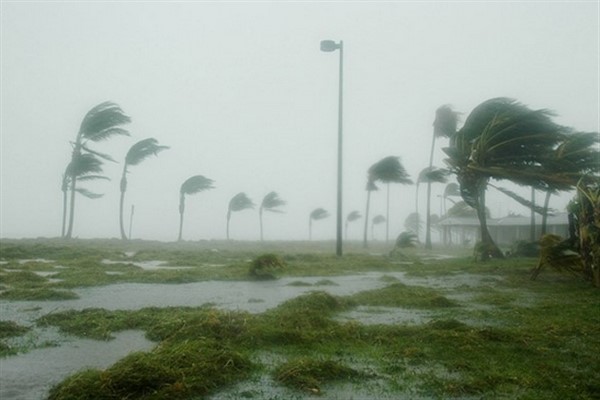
column 329, row 46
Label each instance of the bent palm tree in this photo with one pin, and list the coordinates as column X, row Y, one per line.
column 451, row 190
column 136, row 154
column 239, row 202
column 351, row 217
column 316, row 214
column 370, row 188
column 389, row 170
column 269, row 203
column 100, row 123
column 428, row 175
column 503, row 139
column 193, row 185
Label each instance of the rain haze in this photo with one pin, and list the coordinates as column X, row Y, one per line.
column 242, row 94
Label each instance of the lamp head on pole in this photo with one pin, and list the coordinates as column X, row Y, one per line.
column 329, row 45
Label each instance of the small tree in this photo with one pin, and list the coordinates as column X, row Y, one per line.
column 351, row 217
column 239, row 202
column 378, row 219
column 316, row 215
column 271, row 202
column 193, row 185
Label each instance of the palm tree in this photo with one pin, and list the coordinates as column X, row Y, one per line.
column 413, row 222
column 316, row 214
column 86, row 167
column 100, row 123
column 451, row 190
column 444, row 125
column 370, row 188
column 239, row 202
column 269, row 203
column 136, row 154
column 428, row 175
column 503, row 139
column 192, row 185
column 351, row 217
column 389, row 170
column 378, row 219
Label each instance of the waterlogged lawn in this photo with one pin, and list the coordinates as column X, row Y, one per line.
column 481, row 331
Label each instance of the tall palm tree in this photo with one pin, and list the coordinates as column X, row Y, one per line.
column 192, row 185
column 503, row 139
column 444, row 126
column 86, row 167
column 351, row 217
column 378, row 219
column 428, row 175
column 370, row 188
column 389, row 170
column 239, row 202
column 316, row 215
column 100, row 123
column 271, row 202
column 136, row 154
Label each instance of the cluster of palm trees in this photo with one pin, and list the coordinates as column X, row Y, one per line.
column 501, row 139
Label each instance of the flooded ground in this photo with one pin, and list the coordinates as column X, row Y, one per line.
column 30, row 375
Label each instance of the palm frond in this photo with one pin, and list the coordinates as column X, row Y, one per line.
column 92, row 178
column 271, row 202
column 103, row 121
column 452, row 190
column 433, row 175
column 240, row 202
column 98, row 154
column 319, row 213
column 196, row 184
column 523, row 201
column 389, row 170
column 88, row 194
column 445, row 121
column 353, row 216
column 406, row 240
column 413, row 222
column 371, row 186
column 378, row 219
column 142, row 150
column 84, row 164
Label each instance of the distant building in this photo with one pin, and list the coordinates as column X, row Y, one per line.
column 505, row 231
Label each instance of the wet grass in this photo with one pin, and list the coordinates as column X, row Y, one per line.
column 497, row 336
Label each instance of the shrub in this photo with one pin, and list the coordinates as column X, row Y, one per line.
column 265, row 266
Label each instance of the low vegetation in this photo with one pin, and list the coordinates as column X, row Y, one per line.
column 486, row 330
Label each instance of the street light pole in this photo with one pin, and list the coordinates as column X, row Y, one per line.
column 329, row 46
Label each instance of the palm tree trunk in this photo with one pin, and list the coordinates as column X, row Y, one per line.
column 181, row 210
column 545, row 215
column 387, row 216
column 131, row 220
column 365, row 244
column 123, row 187
column 532, row 217
column 65, row 187
column 69, row 233
column 489, row 247
column 260, row 219
column 228, row 218
column 428, row 218
column 417, row 210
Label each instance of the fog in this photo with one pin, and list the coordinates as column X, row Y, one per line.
column 242, row 94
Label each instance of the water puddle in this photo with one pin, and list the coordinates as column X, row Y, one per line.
column 30, row 376
column 146, row 265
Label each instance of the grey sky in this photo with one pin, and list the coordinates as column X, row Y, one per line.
column 242, row 94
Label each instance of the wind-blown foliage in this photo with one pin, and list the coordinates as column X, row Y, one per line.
column 271, row 203
column 378, row 219
column 351, row 217
column 388, row 170
column 100, row 123
column 429, row 175
column 239, row 202
column 503, row 139
column 369, row 188
column 192, row 185
column 136, row 154
column 316, row 215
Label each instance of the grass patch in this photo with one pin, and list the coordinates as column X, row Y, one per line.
column 42, row 294
column 401, row 295
column 11, row 329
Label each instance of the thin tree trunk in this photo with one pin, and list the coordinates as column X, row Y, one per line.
column 387, row 215
column 69, row 233
column 123, row 187
column 428, row 218
column 489, row 247
column 532, row 217
column 260, row 219
column 365, row 244
column 228, row 218
column 545, row 215
column 181, row 210
column 65, row 187
column 417, row 209
column 131, row 220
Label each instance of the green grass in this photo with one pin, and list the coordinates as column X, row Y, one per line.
column 497, row 336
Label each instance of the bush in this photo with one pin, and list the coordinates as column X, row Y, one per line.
column 265, row 266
